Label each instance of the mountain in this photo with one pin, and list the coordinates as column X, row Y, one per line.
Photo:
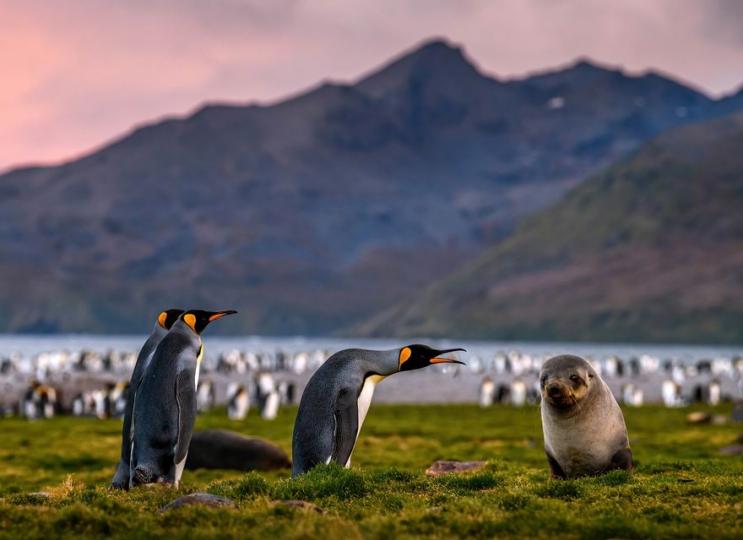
column 315, row 212
column 650, row 249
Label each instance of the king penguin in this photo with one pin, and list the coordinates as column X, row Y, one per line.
column 165, row 402
column 337, row 397
column 164, row 322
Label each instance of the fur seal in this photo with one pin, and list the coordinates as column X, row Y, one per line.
column 220, row 449
column 584, row 430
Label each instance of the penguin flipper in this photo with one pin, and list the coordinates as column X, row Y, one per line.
column 185, row 396
column 346, row 427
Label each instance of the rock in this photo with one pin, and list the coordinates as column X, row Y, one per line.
column 732, row 450
column 738, row 411
column 698, row 417
column 199, row 499
column 440, row 467
column 302, row 505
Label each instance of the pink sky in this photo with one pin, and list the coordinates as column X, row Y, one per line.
column 77, row 73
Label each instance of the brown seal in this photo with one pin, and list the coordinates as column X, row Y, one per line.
column 220, row 449
column 584, row 429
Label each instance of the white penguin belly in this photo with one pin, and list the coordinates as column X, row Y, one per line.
column 363, row 403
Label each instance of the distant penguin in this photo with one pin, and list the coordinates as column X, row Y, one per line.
column 29, row 403
column 39, row 401
column 238, row 402
column 205, row 396
column 101, row 407
column 286, row 391
column 79, row 405
column 271, row 403
column 634, row 366
column 47, row 401
column 164, row 322
column 487, row 392
column 714, row 392
column 518, row 393
column 337, row 397
column 583, row 426
column 165, row 402
column 631, row 395
column 119, row 397
column 671, row 393
column 503, row 393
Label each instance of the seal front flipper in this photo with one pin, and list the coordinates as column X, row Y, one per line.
column 346, row 427
column 622, row 459
column 557, row 471
column 185, row 394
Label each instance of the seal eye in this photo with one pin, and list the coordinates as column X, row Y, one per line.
column 575, row 379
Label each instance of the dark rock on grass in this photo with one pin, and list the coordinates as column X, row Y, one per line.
column 221, row 449
column 738, row 411
column 732, row 450
column 199, row 499
column 699, row 417
column 448, row 467
column 301, row 505
column 35, row 498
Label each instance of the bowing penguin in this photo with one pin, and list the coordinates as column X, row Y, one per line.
column 337, row 397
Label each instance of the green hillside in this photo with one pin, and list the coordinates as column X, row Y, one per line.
column 649, row 250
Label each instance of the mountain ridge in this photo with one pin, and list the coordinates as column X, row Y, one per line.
column 318, row 210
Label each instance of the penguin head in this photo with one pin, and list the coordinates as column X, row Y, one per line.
column 198, row 319
column 420, row 356
column 167, row 318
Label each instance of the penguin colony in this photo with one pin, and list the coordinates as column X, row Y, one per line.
column 584, row 430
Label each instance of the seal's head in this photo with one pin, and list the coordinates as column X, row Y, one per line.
column 565, row 381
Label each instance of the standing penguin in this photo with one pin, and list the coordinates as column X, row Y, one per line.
column 165, row 402
column 164, row 322
column 337, row 397
column 238, row 401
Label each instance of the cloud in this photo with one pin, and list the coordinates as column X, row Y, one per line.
column 79, row 72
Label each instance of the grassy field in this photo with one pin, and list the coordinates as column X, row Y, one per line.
column 682, row 487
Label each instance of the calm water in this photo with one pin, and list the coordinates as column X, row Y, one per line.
column 29, row 345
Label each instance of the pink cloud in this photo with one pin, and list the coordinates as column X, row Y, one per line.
column 81, row 72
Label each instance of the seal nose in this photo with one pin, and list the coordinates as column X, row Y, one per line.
column 554, row 391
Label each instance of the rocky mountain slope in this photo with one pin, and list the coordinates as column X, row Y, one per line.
column 650, row 249
column 321, row 210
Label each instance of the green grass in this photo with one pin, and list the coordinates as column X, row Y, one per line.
column 682, row 487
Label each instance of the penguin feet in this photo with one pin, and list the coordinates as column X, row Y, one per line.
column 142, row 475
column 121, row 478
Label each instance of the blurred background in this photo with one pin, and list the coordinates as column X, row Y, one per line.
column 511, row 170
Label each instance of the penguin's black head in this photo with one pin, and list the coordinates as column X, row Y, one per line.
column 420, row 356
column 167, row 318
column 198, row 319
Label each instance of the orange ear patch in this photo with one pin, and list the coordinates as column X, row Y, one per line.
column 162, row 318
column 405, row 354
column 190, row 320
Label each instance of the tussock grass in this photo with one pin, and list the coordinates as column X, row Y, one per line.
column 54, row 477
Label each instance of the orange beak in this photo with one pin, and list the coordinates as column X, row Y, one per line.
column 220, row 314
column 439, row 360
